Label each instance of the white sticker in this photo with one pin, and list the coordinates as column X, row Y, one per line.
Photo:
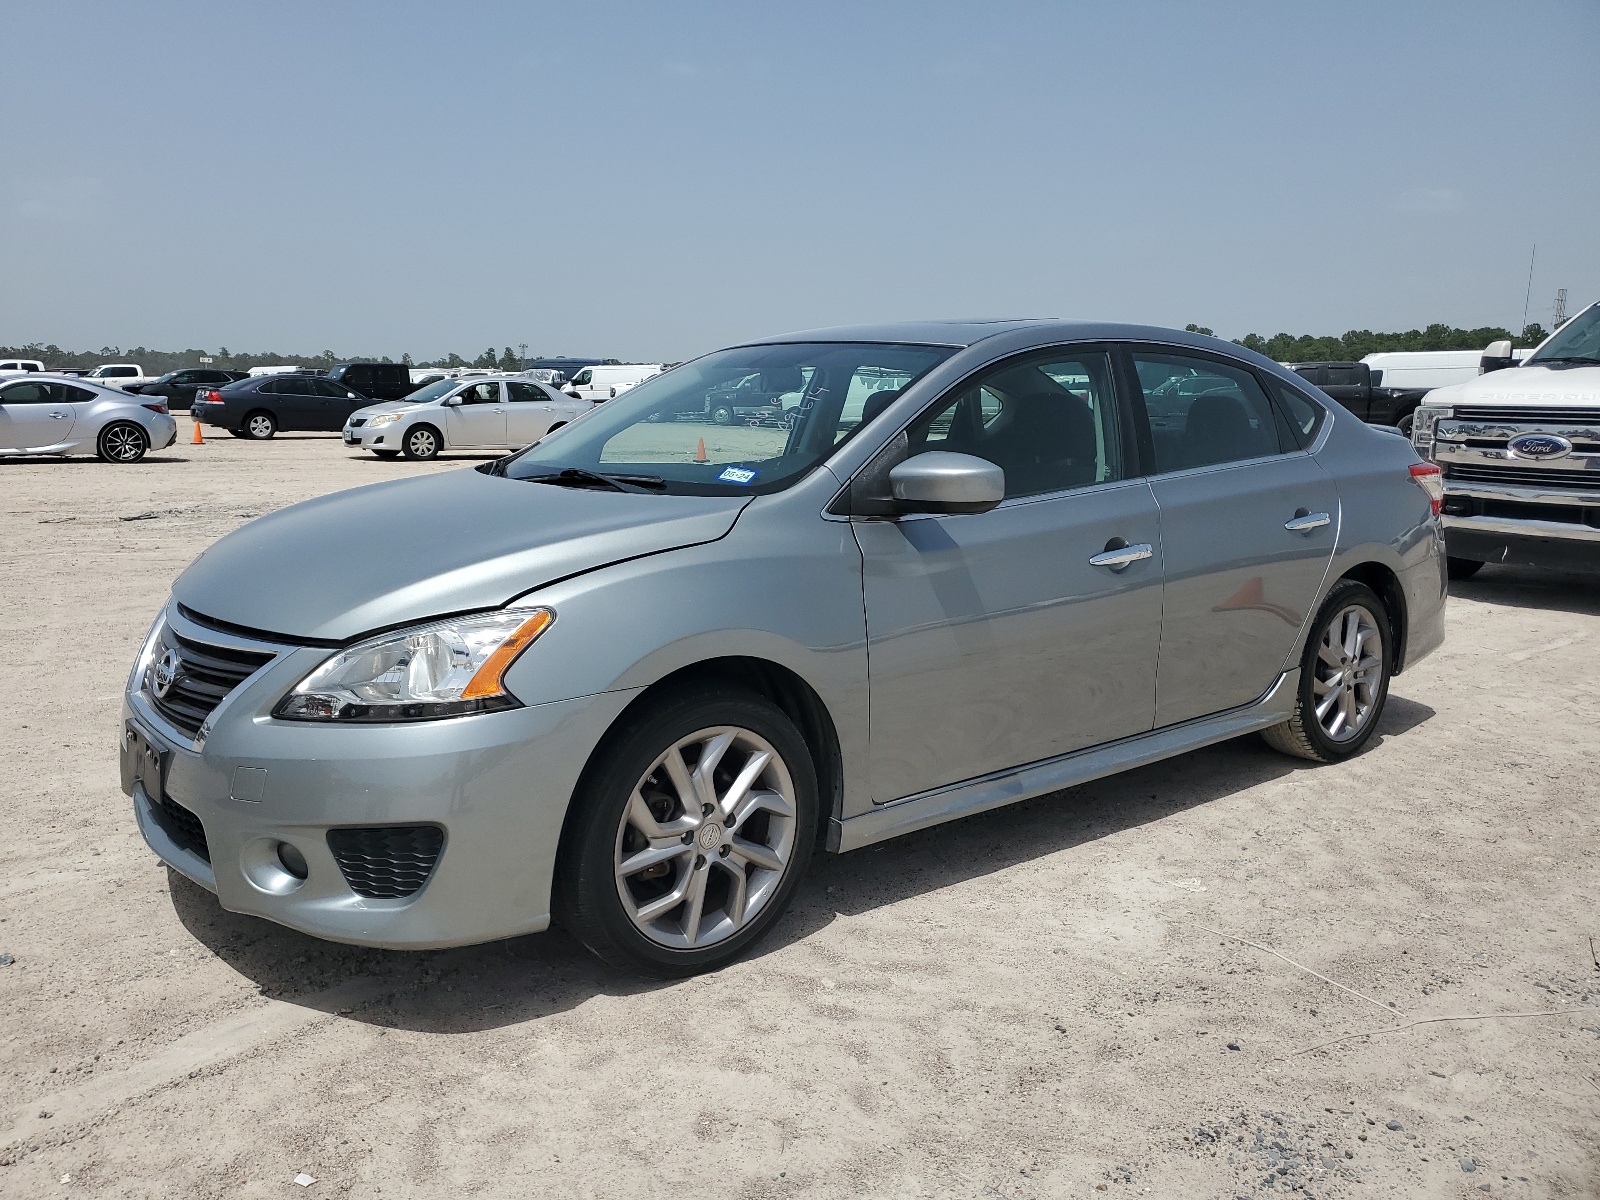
column 737, row 475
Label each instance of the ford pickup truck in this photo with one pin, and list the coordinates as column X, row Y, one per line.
column 1519, row 448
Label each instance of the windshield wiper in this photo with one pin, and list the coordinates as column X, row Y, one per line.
column 1570, row 358
column 578, row 477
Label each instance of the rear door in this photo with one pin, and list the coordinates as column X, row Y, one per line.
column 529, row 413
column 1248, row 524
column 1002, row 638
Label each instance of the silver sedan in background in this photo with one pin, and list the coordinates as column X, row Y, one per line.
column 498, row 412
column 56, row 414
column 632, row 678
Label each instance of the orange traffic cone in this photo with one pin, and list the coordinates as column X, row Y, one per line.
column 699, row 454
column 197, row 440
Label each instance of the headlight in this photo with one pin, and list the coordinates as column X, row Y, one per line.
column 445, row 669
column 384, row 419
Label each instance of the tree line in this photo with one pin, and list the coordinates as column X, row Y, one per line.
column 159, row 362
column 1358, row 343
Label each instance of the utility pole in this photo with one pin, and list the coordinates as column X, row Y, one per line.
column 1529, row 295
column 1559, row 315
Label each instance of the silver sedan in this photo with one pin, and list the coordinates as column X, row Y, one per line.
column 498, row 412
column 51, row 414
column 634, row 678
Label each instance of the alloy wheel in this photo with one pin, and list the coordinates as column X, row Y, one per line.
column 1349, row 672
column 706, row 838
column 260, row 426
column 124, row 444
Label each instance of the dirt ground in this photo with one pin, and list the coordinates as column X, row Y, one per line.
column 1054, row 1000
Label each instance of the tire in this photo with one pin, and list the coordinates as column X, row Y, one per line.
column 421, row 441
column 722, row 415
column 698, row 856
column 1462, row 568
column 1332, row 735
column 387, row 453
column 122, row 442
column 260, row 425
column 1405, row 423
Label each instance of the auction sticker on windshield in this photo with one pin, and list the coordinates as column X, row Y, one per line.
column 737, row 475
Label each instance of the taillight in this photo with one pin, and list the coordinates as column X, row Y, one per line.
column 213, row 396
column 1430, row 479
column 156, row 408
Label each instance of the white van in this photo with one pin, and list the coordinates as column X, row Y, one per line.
column 604, row 383
column 1427, row 369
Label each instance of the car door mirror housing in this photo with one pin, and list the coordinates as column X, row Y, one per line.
column 452, row 401
column 938, row 481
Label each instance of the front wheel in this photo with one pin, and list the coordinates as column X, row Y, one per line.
column 1344, row 678
column 722, row 415
column 690, row 835
column 1462, row 568
column 123, row 442
column 1405, row 423
column 422, row 442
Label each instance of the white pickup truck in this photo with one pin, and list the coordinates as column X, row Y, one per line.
column 1520, row 450
column 119, row 375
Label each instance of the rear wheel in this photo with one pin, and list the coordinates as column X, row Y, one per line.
column 260, row 425
column 1344, row 678
column 1462, row 568
column 421, row 442
column 690, row 835
column 122, row 442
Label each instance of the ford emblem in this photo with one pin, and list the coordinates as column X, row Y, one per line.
column 164, row 674
column 1539, row 445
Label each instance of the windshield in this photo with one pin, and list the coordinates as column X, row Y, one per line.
column 752, row 419
column 1578, row 339
column 432, row 391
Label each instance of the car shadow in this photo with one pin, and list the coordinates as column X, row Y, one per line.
column 1531, row 587
column 524, row 979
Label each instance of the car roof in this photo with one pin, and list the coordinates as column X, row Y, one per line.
column 963, row 333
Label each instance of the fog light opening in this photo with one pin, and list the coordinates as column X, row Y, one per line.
column 292, row 861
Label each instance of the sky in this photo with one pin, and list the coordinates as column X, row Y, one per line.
column 650, row 181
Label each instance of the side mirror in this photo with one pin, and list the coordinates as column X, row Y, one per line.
column 1496, row 357
column 941, row 482
column 452, row 401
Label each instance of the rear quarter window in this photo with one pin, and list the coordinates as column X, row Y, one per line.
column 1302, row 415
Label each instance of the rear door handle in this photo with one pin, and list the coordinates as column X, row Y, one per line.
column 1119, row 558
column 1306, row 522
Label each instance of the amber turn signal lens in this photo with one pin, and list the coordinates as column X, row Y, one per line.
column 487, row 681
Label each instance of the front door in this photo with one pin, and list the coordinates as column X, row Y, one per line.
column 529, row 413
column 996, row 639
column 1248, row 524
column 34, row 416
column 479, row 420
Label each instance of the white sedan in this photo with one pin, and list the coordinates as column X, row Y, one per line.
column 503, row 412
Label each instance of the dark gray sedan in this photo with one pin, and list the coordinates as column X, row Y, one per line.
column 634, row 677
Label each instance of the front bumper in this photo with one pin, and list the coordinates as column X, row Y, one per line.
column 1556, row 545
column 374, row 437
column 498, row 784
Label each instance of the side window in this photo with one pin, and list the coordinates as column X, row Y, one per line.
column 481, row 393
column 1304, row 416
column 65, row 393
column 1309, row 374
column 301, row 385
column 26, row 393
column 1203, row 412
column 1344, row 376
column 582, row 377
column 1048, row 421
column 522, row 393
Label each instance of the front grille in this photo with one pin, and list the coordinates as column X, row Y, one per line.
column 182, row 826
column 1526, row 416
column 205, row 675
column 357, row 422
column 386, row 862
column 1527, row 476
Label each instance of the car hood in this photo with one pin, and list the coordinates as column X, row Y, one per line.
column 393, row 553
column 390, row 406
column 1536, row 387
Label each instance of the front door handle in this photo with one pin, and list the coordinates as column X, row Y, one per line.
column 1120, row 556
column 1304, row 522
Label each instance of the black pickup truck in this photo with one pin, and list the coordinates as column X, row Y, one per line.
column 1360, row 389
